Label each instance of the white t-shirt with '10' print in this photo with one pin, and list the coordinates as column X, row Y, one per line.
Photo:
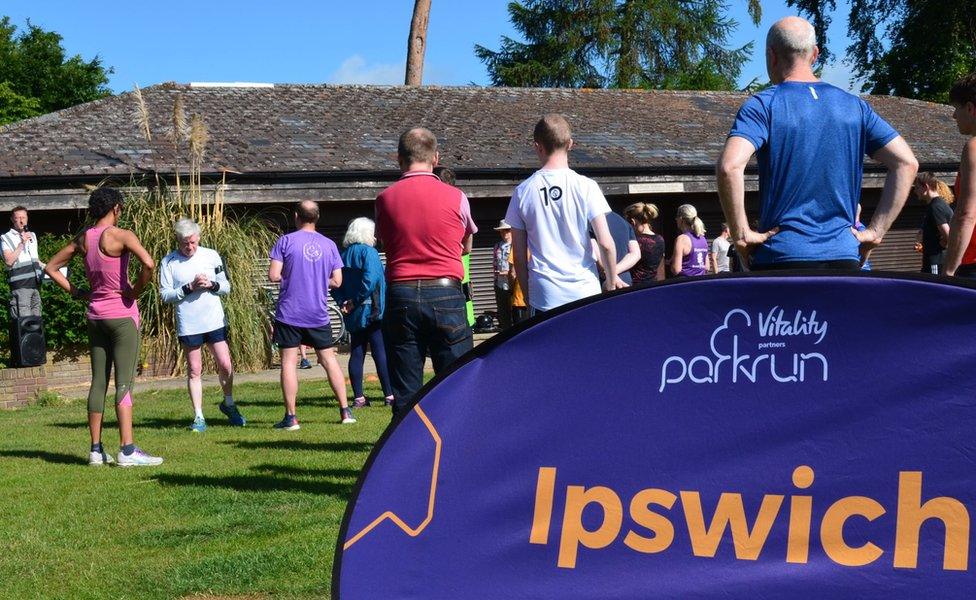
column 555, row 207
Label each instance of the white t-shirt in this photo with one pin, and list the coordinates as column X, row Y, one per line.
column 555, row 207
column 720, row 248
column 200, row 311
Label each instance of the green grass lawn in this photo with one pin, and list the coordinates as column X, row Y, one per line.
column 249, row 512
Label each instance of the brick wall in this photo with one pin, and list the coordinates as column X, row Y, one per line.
column 67, row 371
column 18, row 387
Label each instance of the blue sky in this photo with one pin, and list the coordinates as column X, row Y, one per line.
column 304, row 41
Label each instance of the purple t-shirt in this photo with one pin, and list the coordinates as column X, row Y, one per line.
column 309, row 258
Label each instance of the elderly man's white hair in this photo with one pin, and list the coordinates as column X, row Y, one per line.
column 184, row 228
column 791, row 36
column 361, row 231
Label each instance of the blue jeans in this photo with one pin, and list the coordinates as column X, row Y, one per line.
column 421, row 320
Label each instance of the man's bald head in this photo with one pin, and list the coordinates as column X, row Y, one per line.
column 790, row 44
column 307, row 211
column 791, row 37
column 417, row 146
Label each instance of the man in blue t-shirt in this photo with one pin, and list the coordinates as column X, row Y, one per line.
column 810, row 139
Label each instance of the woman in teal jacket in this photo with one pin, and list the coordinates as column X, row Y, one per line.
column 362, row 297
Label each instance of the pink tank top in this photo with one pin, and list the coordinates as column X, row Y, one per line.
column 107, row 275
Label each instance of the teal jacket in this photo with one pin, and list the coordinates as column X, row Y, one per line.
column 363, row 283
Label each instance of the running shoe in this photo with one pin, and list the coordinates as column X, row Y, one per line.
column 233, row 415
column 289, row 423
column 138, row 458
column 388, row 401
column 304, row 364
column 199, row 425
column 360, row 402
column 346, row 415
column 97, row 459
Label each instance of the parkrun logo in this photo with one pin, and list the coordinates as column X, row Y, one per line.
column 772, row 332
column 652, row 528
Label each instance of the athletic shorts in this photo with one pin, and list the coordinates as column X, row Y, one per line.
column 290, row 336
column 199, row 339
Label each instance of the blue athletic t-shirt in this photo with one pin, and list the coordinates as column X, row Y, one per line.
column 811, row 139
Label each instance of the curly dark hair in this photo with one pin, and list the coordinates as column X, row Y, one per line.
column 103, row 200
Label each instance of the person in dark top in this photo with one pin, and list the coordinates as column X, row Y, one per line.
column 934, row 233
column 625, row 242
column 650, row 267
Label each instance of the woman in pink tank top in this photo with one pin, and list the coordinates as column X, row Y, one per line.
column 113, row 318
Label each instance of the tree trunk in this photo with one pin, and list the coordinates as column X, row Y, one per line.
column 417, row 43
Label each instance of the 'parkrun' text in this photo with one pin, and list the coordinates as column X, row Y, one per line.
column 653, row 523
column 730, row 360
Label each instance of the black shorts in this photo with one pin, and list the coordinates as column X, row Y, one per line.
column 289, row 336
column 199, row 339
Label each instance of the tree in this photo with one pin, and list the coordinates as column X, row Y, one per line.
column 659, row 44
column 417, row 43
column 911, row 48
column 37, row 76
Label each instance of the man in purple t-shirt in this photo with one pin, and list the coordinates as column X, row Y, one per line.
column 307, row 264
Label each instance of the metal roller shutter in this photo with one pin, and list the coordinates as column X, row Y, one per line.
column 897, row 252
column 482, row 280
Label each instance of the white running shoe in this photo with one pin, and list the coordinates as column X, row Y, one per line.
column 97, row 459
column 138, row 458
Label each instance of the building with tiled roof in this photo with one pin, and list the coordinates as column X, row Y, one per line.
column 337, row 144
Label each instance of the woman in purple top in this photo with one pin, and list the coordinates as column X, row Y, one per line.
column 691, row 247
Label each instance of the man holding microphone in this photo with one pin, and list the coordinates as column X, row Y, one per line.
column 24, row 269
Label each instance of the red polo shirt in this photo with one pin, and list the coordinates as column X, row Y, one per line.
column 422, row 222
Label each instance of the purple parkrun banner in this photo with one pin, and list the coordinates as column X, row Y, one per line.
column 773, row 436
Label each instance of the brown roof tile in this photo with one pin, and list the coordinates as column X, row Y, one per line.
column 324, row 128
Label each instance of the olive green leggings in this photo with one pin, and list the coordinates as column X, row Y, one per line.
column 112, row 341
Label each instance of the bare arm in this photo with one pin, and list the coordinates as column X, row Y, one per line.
column 944, row 234
column 607, row 251
column 660, row 270
column 131, row 243
column 467, row 243
column 682, row 247
column 630, row 259
column 902, row 166
column 964, row 218
column 274, row 271
column 731, row 177
column 335, row 280
column 10, row 256
column 713, row 262
column 520, row 246
column 59, row 260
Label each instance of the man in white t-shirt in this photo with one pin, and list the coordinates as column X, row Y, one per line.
column 193, row 278
column 719, row 256
column 24, row 269
column 551, row 214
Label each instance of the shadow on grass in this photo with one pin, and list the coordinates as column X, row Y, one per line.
column 51, row 457
column 283, row 470
column 147, row 423
column 318, row 401
column 259, row 483
column 299, row 446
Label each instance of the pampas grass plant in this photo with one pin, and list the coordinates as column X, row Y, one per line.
column 242, row 241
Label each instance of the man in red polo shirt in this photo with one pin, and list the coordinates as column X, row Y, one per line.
column 424, row 225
